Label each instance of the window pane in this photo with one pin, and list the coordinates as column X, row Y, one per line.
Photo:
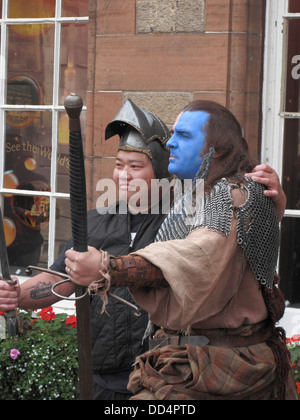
column 291, row 163
column 294, row 6
column 63, row 163
column 28, row 147
column 26, row 220
column 63, row 226
column 73, row 60
column 290, row 259
column 30, row 64
column 75, row 8
column 31, row 8
column 293, row 67
column 23, row 90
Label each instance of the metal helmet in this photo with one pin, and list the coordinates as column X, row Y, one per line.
column 141, row 131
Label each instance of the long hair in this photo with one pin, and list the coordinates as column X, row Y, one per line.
column 224, row 133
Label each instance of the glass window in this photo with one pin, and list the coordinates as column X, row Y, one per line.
column 63, row 225
column 75, row 8
column 43, row 60
column 27, row 227
column 30, row 64
column 28, row 145
column 73, row 60
column 293, row 67
column 291, row 163
column 294, row 6
column 290, row 259
column 281, row 138
column 33, row 9
column 290, row 243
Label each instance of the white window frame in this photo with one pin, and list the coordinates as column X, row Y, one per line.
column 274, row 87
column 55, row 108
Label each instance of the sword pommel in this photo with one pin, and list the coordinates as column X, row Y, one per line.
column 73, row 105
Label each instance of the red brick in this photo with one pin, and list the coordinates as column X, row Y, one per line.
column 180, row 62
column 217, row 15
column 116, row 17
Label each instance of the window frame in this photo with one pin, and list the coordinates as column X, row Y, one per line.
column 275, row 75
column 55, row 109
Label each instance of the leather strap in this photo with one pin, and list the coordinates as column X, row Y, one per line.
column 227, row 341
column 176, row 340
column 135, row 272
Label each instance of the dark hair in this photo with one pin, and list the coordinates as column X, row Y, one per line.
column 224, row 133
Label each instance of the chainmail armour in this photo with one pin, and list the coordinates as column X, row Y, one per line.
column 257, row 223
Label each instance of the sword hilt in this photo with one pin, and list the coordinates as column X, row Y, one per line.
column 73, row 105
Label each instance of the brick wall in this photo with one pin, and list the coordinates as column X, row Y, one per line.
column 165, row 53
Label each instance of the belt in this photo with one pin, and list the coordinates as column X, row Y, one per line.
column 228, row 341
column 179, row 340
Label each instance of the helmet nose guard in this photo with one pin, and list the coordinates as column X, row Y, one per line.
column 141, row 131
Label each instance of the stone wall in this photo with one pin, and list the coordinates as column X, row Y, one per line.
column 165, row 53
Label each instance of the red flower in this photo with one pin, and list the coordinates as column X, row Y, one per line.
column 72, row 320
column 294, row 339
column 47, row 314
column 1, row 313
column 298, row 387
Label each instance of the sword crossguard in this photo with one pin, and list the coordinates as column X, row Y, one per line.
column 58, row 274
column 66, row 278
column 12, row 282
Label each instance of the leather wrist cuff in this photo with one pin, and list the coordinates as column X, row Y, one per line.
column 135, row 272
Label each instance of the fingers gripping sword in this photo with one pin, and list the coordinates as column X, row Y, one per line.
column 11, row 316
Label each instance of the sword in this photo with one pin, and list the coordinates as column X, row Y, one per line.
column 11, row 316
column 73, row 105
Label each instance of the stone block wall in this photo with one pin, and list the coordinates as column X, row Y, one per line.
column 164, row 53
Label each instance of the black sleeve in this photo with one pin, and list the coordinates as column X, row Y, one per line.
column 59, row 264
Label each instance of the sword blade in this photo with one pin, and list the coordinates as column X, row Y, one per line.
column 11, row 316
column 3, row 252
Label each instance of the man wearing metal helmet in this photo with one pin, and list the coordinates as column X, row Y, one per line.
column 209, row 280
column 142, row 132
column 117, row 334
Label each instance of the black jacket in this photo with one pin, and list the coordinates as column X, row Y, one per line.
column 116, row 335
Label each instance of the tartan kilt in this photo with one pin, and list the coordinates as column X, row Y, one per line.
column 207, row 373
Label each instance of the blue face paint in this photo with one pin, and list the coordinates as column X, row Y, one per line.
column 187, row 143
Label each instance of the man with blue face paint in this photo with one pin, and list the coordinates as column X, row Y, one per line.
column 209, row 283
column 187, row 143
column 119, row 338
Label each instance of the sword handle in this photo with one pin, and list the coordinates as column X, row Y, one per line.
column 73, row 105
